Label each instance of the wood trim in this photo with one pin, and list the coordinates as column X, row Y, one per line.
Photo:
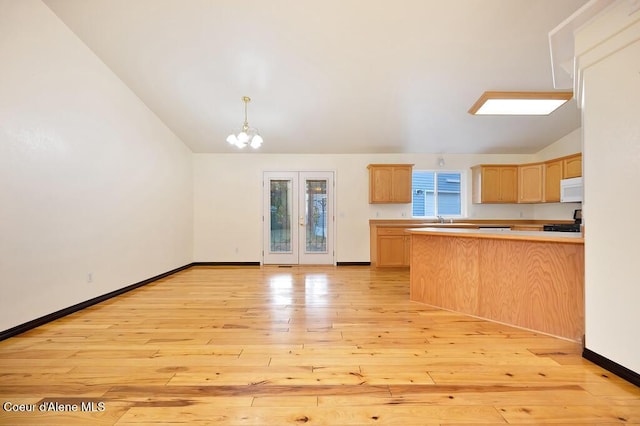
column 225, row 264
column 566, row 157
column 550, row 160
column 612, row 366
column 549, row 237
column 545, row 162
column 21, row 328
column 477, row 166
column 412, row 222
column 517, row 95
column 389, row 165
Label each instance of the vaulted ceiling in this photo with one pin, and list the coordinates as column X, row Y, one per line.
column 332, row 76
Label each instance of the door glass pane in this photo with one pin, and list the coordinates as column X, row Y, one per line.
column 280, row 235
column 316, row 215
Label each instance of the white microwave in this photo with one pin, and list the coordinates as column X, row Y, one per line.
column 571, row 190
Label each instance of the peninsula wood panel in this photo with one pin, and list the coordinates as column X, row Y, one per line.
column 435, row 281
column 538, row 285
column 535, row 285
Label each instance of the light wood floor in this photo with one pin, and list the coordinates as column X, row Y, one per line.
column 301, row 345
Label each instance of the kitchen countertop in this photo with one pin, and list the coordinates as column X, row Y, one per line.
column 468, row 223
column 437, row 225
column 542, row 236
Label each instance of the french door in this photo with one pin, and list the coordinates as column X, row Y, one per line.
column 298, row 218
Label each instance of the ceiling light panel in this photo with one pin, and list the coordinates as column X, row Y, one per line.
column 519, row 103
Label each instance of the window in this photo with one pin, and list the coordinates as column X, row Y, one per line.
column 437, row 193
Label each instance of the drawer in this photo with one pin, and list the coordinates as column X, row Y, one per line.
column 392, row 231
column 527, row 227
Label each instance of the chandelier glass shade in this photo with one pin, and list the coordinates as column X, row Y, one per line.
column 248, row 135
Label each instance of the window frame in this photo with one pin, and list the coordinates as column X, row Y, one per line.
column 463, row 193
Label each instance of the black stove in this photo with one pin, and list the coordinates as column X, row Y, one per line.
column 566, row 227
column 562, row 227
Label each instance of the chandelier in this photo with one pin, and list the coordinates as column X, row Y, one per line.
column 248, row 135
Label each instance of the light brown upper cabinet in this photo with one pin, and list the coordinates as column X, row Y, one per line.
column 523, row 183
column 572, row 166
column 558, row 169
column 390, row 183
column 530, row 187
column 552, row 177
column 495, row 183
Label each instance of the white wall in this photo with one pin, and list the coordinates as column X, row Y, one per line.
column 228, row 199
column 567, row 145
column 235, row 235
column 608, row 51
column 91, row 180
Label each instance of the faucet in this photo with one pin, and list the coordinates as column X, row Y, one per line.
column 441, row 219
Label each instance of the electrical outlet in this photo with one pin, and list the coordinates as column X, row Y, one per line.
column 89, row 277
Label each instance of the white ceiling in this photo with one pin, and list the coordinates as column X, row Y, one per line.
column 332, row 76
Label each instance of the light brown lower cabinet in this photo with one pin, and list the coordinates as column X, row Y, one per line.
column 393, row 247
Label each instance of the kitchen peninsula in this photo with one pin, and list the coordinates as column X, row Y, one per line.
column 528, row 279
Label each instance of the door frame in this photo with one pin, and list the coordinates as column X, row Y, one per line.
column 297, row 177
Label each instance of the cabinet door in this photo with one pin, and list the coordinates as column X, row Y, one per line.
column 509, row 184
column 572, row 167
column 380, row 184
column 401, row 184
column 490, row 185
column 552, row 176
column 390, row 183
column 530, row 183
column 391, row 250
